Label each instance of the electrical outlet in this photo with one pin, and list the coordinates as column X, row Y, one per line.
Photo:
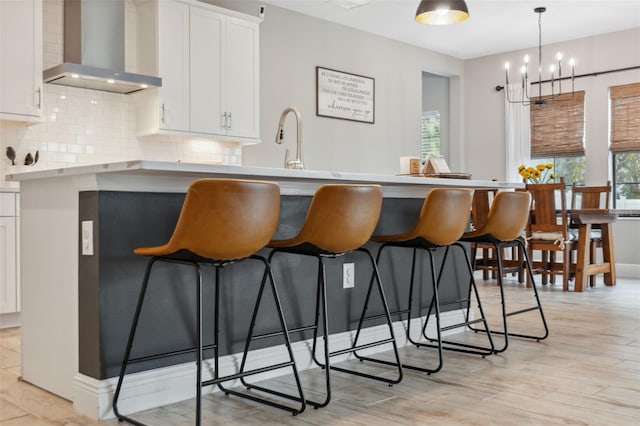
column 348, row 275
column 87, row 237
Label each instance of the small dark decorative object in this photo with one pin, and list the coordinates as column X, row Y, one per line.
column 11, row 155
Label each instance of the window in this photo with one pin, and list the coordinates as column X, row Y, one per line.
column 430, row 142
column 557, row 135
column 625, row 145
column 570, row 168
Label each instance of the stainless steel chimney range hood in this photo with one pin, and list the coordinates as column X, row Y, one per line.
column 94, row 50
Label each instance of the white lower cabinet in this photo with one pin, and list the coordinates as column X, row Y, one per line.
column 9, row 259
column 208, row 59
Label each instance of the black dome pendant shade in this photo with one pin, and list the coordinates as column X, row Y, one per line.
column 441, row 12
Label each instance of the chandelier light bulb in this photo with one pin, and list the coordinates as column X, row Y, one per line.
column 559, row 56
column 552, row 68
column 442, row 11
column 526, row 59
column 523, row 69
column 507, row 66
column 572, row 62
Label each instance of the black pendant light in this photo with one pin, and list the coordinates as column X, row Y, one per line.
column 441, row 12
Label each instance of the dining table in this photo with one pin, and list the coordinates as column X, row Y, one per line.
column 586, row 220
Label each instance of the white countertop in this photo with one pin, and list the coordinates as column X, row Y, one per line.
column 175, row 177
column 280, row 174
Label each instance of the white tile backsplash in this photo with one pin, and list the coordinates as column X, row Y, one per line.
column 87, row 126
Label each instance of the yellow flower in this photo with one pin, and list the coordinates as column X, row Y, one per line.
column 540, row 173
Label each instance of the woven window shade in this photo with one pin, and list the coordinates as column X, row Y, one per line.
column 557, row 128
column 625, row 118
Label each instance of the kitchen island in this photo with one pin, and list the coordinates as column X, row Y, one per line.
column 80, row 278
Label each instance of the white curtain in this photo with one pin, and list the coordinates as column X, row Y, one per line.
column 517, row 131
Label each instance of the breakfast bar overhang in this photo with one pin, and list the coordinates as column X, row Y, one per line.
column 80, row 278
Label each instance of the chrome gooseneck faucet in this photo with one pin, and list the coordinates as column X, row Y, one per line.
column 297, row 163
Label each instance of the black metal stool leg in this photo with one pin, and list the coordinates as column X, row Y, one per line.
column 132, row 333
column 385, row 305
column 199, row 347
column 505, row 332
column 134, row 326
column 252, row 325
column 241, row 374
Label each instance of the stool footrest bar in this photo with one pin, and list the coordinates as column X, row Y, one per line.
column 280, row 333
column 359, row 347
column 246, row 373
column 521, row 311
column 462, row 324
column 383, row 315
column 167, row 354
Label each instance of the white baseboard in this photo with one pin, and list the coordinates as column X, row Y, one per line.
column 10, row 320
column 167, row 385
column 627, row 270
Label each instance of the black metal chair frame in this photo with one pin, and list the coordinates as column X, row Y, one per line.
column 198, row 349
column 498, row 246
column 321, row 309
column 435, row 305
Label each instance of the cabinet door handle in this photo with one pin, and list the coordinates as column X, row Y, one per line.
column 223, row 121
column 162, row 114
column 39, row 104
column 230, row 122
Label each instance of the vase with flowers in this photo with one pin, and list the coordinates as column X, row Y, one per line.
column 540, row 173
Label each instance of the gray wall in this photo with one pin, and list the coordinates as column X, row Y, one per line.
column 292, row 45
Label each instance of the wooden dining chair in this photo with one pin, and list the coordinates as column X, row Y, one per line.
column 482, row 199
column 548, row 232
column 591, row 197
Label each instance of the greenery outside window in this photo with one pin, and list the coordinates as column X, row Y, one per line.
column 430, row 141
column 624, row 107
column 626, row 180
column 570, row 168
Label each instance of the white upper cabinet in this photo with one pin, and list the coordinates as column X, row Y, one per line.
column 242, row 69
column 21, row 60
column 208, row 59
column 173, row 65
column 207, row 76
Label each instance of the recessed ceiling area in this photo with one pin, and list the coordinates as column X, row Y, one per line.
column 493, row 26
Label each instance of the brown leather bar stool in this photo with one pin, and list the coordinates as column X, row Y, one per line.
column 507, row 219
column 482, row 199
column 340, row 220
column 443, row 219
column 222, row 221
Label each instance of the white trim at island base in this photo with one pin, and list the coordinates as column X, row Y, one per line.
column 156, row 176
column 168, row 385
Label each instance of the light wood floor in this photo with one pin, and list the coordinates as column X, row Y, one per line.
column 586, row 373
